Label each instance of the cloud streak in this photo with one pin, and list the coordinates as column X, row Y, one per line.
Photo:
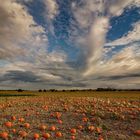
column 93, row 18
column 96, row 41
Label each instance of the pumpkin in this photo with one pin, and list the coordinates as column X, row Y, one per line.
column 100, row 138
column 8, row 124
column 80, row 127
column 46, row 135
column 58, row 134
column 13, row 118
column 43, row 127
column 73, row 131
column 58, row 115
column 14, row 130
column 21, row 119
column 60, row 121
column 91, row 128
column 73, row 137
column 137, row 132
column 22, row 134
column 84, row 119
column 26, row 125
column 98, row 130
column 4, row 135
column 36, row 136
column 52, row 128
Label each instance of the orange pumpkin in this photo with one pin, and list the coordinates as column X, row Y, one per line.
column 73, row 137
column 58, row 115
column 36, row 136
column 21, row 119
column 22, row 134
column 8, row 124
column 4, row 135
column 27, row 125
column 14, row 130
column 13, row 118
column 80, row 127
column 137, row 132
column 52, row 128
column 84, row 119
column 43, row 127
column 60, row 121
column 73, row 131
column 91, row 128
column 100, row 138
column 98, row 130
column 46, row 135
column 58, row 134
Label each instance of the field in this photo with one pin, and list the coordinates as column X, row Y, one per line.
column 79, row 115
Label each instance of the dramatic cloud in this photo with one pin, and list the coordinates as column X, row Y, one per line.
column 23, row 44
column 33, row 53
column 93, row 18
column 17, row 29
column 25, row 76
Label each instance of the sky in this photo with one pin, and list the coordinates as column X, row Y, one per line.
column 69, row 44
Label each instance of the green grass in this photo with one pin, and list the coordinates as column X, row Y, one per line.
column 96, row 94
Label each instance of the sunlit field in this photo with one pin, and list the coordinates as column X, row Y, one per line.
column 79, row 115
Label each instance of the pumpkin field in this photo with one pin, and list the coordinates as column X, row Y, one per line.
column 69, row 115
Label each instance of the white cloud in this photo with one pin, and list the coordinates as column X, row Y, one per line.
column 24, row 44
column 86, row 14
column 51, row 8
column 18, row 30
column 96, row 41
column 131, row 37
column 116, row 7
column 38, row 66
column 123, row 63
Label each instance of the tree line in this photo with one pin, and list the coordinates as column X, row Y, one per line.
column 75, row 90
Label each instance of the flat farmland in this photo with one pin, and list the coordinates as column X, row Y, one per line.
column 78, row 115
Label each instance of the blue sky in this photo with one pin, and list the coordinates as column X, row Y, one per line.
column 69, row 44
